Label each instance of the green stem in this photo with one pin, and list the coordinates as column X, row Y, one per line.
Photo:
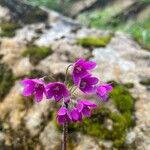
column 66, row 76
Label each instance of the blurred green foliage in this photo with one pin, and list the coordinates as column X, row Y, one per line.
column 36, row 53
column 145, row 82
column 94, row 41
column 6, row 79
column 8, row 29
column 139, row 30
column 104, row 18
column 57, row 5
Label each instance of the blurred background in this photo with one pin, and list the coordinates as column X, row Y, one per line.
column 42, row 37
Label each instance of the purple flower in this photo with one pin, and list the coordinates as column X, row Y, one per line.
column 35, row 87
column 80, row 69
column 88, row 83
column 63, row 115
column 58, row 90
column 103, row 90
column 84, row 107
column 75, row 115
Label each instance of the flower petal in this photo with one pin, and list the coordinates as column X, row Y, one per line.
column 38, row 95
column 89, row 89
column 89, row 65
column 103, row 98
column 79, row 61
column 28, row 90
column 101, row 91
column 86, row 112
column 27, row 82
column 61, row 120
column 80, row 106
column 93, row 80
column 74, row 114
column 38, row 81
column 89, row 103
column 57, row 97
column 76, row 79
column 62, row 111
column 49, row 94
column 108, row 87
column 67, row 99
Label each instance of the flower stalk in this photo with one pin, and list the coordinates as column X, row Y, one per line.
column 65, row 133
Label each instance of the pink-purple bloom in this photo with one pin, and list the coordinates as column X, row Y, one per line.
column 75, row 115
column 103, row 90
column 80, row 69
column 63, row 115
column 88, row 83
column 82, row 79
column 57, row 90
column 84, row 107
column 34, row 87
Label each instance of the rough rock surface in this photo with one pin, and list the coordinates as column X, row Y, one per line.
column 122, row 60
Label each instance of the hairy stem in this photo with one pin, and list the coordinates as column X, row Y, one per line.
column 65, row 133
column 66, row 76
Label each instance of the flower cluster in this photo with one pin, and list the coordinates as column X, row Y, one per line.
column 82, row 79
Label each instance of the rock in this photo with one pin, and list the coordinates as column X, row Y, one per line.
column 82, row 142
column 130, row 138
column 23, row 12
column 37, row 115
column 4, row 14
column 80, row 6
column 52, row 64
column 12, row 101
column 11, row 50
column 23, row 67
column 122, row 60
column 112, row 57
column 50, row 137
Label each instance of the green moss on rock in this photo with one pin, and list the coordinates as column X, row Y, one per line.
column 6, row 79
column 36, row 53
column 128, row 85
column 145, row 82
column 122, row 99
column 120, row 121
column 8, row 29
column 96, row 126
column 94, row 41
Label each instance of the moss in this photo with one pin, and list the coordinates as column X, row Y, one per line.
column 122, row 99
column 95, row 126
column 128, row 85
column 6, row 79
column 39, row 31
column 94, row 41
column 121, row 121
column 36, row 53
column 8, row 29
column 38, row 16
column 145, row 82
